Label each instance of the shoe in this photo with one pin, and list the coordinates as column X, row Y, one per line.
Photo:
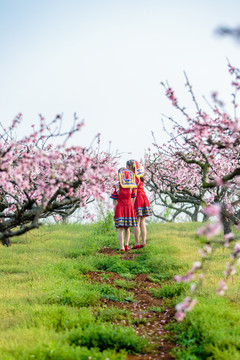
column 141, row 246
column 135, row 247
column 122, row 250
column 126, row 247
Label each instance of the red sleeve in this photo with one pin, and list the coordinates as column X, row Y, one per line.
column 114, row 194
column 133, row 194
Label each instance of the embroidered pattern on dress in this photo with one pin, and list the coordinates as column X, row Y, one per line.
column 127, row 178
column 125, row 222
column 143, row 211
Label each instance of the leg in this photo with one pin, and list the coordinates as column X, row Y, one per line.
column 136, row 235
column 143, row 230
column 120, row 237
column 137, row 232
column 127, row 235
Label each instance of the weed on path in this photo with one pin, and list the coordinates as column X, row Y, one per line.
column 124, row 256
column 148, row 314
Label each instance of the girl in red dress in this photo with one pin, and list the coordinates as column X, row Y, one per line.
column 141, row 204
column 124, row 213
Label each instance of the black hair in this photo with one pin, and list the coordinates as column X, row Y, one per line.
column 129, row 163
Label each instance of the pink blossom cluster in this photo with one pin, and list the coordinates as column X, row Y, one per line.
column 206, row 250
column 184, row 307
column 216, row 99
column 230, row 268
column 27, row 171
column 212, row 229
column 222, row 287
column 190, row 275
column 36, row 173
column 167, row 171
column 171, row 96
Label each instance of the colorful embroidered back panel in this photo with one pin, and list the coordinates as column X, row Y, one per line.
column 137, row 168
column 127, row 178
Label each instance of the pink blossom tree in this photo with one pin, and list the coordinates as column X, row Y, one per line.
column 200, row 156
column 40, row 178
column 167, row 180
column 201, row 161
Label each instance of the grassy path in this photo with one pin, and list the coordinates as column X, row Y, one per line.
column 148, row 314
column 66, row 293
column 64, row 297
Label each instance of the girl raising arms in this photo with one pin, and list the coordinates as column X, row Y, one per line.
column 141, row 204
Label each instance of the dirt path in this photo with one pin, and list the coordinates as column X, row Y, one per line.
column 150, row 323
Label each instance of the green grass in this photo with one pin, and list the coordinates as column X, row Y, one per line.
column 156, row 309
column 46, row 294
column 115, row 264
column 50, row 309
column 211, row 330
column 112, row 314
column 108, row 336
column 82, row 296
column 109, row 292
column 127, row 276
column 169, row 291
column 125, row 284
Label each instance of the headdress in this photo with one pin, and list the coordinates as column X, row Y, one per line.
column 126, row 178
column 136, row 167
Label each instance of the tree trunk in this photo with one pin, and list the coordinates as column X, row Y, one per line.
column 227, row 223
column 65, row 219
column 227, row 226
column 195, row 213
column 205, row 217
column 6, row 242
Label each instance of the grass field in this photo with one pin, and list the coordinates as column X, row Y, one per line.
column 49, row 308
column 211, row 330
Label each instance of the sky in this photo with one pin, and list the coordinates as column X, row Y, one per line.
column 105, row 61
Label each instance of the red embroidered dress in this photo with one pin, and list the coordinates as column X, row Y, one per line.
column 124, row 213
column 141, row 205
column 124, row 192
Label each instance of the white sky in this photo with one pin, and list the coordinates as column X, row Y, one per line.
column 105, row 60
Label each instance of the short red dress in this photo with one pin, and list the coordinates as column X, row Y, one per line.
column 125, row 215
column 141, row 205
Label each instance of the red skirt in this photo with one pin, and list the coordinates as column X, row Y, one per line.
column 125, row 216
column 142, row 205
